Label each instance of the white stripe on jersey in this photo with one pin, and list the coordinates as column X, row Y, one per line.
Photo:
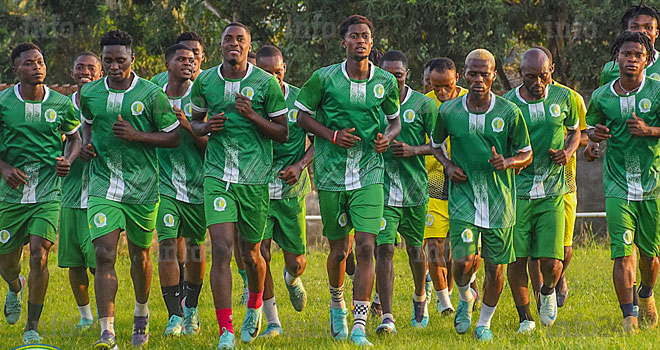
column 31, row 170
column 352, row 172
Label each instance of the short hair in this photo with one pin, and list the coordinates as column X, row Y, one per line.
column 268, row 51
column 638, row 10
column 22, row 47
column 173, row 49
column 351, row 20
column 546, row 51
column 428, row 64
column 252, row 55
column 86, row 53
column 442, row 65
column 395, row 56
column 116, row 37
column 637, row 38
column 480, row 54
column 190, row 36
column 236, row 24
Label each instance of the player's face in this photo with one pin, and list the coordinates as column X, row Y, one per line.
column 30, row 67
column 397, row 69
column 117, row 61
column 632, row 58
column 444, row 84
column 536, row 77
column 235, row 45
column 479, row 75
column 181, row 65
column 85, row 69
column 274, row 65
column 358, row 42
column 426, row 80
column 646, row 25
column 198, row 52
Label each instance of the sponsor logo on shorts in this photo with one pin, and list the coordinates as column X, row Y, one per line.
column 555, row 110
column 645, row 105
column 628, row 237
column 168, row 220
column 100, row 220
column 50, row 115
column 187, row 109
column 4, row 236
column 383, row 224
column 219, row 204
column 497, row 124
column 293, row 115
column 343, row 219
column 247, row 92
column 467, row 236
column 379, row 91
column 655, row 76
column 429, row 219
column 137, row 108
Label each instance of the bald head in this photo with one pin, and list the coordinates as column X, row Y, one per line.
column 536, row 71
column 534, row 58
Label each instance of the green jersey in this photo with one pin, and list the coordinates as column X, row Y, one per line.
column 631, row 168
column 238, row 153
column 123, row 171
column 545, row 119
column 75, row 186
column 31, row 140
column 611, row 71
column 487, row 198
column 290, row 153
column 180, row 174
column 341, row 102
column 406, row 180
column 160, row 79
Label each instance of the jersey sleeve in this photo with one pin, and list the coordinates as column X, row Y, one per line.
column 572, row 121
column 275, row 102
column 581, row 109
column 311, row 94
column 518, row 134
column 390, row 104
column 430, row 116
column 163, row 117
column 594, row 114
column 85, row 115
column 197, row 99
column 70, row 123
column 440, row 131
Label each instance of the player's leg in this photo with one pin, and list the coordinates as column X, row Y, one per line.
column 168, row 227
column 385, row 241
column 10, row 269
column 240, row 268
column 273, row 324
column 517, row 270
column 181, row 258
column 550, row 225
column 647, row 240
column 570, row 204
column 222, row 240
column 350, row 265
column 412, row 229
column 464, row 238
column 195, row 267
column 536, row 279
column 105, row 284
column 435, row 234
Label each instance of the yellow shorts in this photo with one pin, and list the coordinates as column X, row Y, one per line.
column 437, row 219
column 570, row 203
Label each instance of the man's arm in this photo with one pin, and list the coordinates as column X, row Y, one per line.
column 291, row 174
column 14, row 177
column 199, row 141
column 163, row 139
column 71, row 151
column 571, row 145
column 454, row 172
column 276, row 128
column 404, row 150
column 393, row 129
column 343, row 138
column 522, row 159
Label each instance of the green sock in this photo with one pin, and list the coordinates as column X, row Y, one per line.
column 243, row 276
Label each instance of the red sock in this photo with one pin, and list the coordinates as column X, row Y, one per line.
column 255, row 300
column 224, row 319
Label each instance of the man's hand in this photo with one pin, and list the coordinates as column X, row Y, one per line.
column 87, row 152
column 402, row 149
column 345, row 139
column 291, row 174
column 244, row 106
column 14, row 177
column 600, row 133
column 124, row 130
column 559, row 156
column 638, row 126
column 62, row 166
column 592, row 151
column 183, row 120
column 455, row 173
column 381, row 143
column 216, row 123
column 498, row 161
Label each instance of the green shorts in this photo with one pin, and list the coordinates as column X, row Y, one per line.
column 176, row 219
column 245, row 205
column 496, row 243
column 139, row 220
column 540, row 227
column 628, row 222
column 286, row 224
column 361, row 209
column 19, row 221
column 75, row 242
column 410, row 222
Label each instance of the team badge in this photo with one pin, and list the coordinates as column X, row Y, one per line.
column 644, row 105
column 219, row 204
column 379, row 91
column 343, row 220
column 187, row 109
column 655, row 76
column 247, row 92
column 4, row 236
column 168, row 220
column 628, row 237
column 50, row 115
column 429, row 219
column 383, row 224
column 100, row 220
column 137, row 108
column 498, row 124
column 467, row 236
column 555, row 110
column 409, row 116
column 292, row 115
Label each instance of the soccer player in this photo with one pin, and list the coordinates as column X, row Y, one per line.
column 540, row 187
column 625, row 113
column 32, row 118
column 286, row 214
column 348, row 99
column 406, row 196
column 247, row 110
column 196, row 43
column 181, row 209
column 125, row 118
column 76, row 251
column 426, row 76
column 489, row 140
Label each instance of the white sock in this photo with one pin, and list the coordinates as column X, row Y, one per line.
column 360, row 314
column 450, row 293
column 473, row 278
column 486, row 315
column 270, row 311
column 443, row 298
column 141, row 310
column 289, row 279
column 465, row 293
column 337, row 294
column 107, row 324
column 386, row 316
column 419, row 298
column 376, row 298
column 86, row 312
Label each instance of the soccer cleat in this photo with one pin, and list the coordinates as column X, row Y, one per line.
column 272, row 331
column 526, row 327
column 446, row 312
column 226, row 340
column 84, row 325
column 297, row 294
column 338, row 323
column 190, row 320
column 106, row 342
column 420, row 315
column 630, row 324
column 359, row 338
column 140, row 334
column 174, row 326
column 386, row 327
column 648, row 315
column 245, row 296
column 13, row 303
column 428, row 287
column 31, row 337
column 251, row 325
column 483, row 334
column 548, row 313
column 463, row 315
column 561, row 297
column 376, row 310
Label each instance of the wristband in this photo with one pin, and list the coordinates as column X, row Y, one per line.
column 334, row 137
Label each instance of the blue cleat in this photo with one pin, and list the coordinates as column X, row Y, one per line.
column 226, row 340
column 251, row 325
column 463, row 316
column 297, row 293
column 483, row 334
column 359, row 338
column 13, row 302
column 338, row 323
column 272, row 330
column 190, row 320
column 386, row 327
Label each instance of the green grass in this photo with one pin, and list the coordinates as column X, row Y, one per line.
column 591, row 319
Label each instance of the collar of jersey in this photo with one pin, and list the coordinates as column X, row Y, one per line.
column 490, row 108
column 250, row 67
column 286, row 90
column 371, row 72
column 17, row 91
column 545, row 95
column 641, row 86
column 73, row 98
column 408, row 94
column 180, row 97
column 135, row 81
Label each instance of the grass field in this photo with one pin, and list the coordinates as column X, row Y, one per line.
column 591, row 318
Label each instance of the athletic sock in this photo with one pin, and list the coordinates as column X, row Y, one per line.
column 243, row 276
column 545, row 290
column 34, row 313
column 627, row 309
column 360, row 314
column 635, row 295
column 645, row 291
column 443, row 297
column 182, row 283
column 86, row 312
column 376, row 298
column 386, row 316
column 192, row 294
column 255, row 300
column 224, row 317
column 524, row 313
column 107, row 324
column 486, row 315
column 419, row 298
column 473, row 278
column 172, row 297
column 141, row 310
column 270, row 311
column 465, row 293
column 337, row 294
column 290, row 279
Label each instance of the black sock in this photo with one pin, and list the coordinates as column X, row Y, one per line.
column 192, row 294
column 635, row 295
column 627, row 309
column 34, row 313
column 546, row 290
column 524, row 313
column 645, row 291
column 182, row 285
column 172, row 296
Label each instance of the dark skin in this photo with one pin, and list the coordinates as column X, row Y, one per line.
column 426, row 82
column 198, row 53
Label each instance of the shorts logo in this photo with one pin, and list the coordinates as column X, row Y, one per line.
column 467, row 236
column 137, row 108
column 645, row 105
column 555, row 110
column 219, row 204
column 628, row 237
column 655, row 76
column 383, row 224
column 429, row 219
column 379, row 91
column 4, row 236
column 187, row 109
column 50, row 115
column 247, row 92
column 100, row 220
column 292, row 115
column 168, row 220
column 343, row 219
column 409, row 116
column 497, row 124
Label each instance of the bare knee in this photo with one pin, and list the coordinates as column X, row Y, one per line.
column 338, row 254
column 385, row 252
column 364, row 250
column 296, row 265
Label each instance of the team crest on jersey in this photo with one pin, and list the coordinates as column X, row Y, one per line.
column 219, row 204
column 555, row 110
column 187, row 109
column 50, row 115
column 292, row 115
column 343, row 220
column 137, row 108
column 168, row 220
column 409, row 116
column 467, row 236
column 429, row 219
column 247, row 92
column 379, row 91
column 498, row 124
column 655, row 76
column 383, row 224
column 100, row 220
column 628, row 237
column 644, row 105
column 4, row 236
